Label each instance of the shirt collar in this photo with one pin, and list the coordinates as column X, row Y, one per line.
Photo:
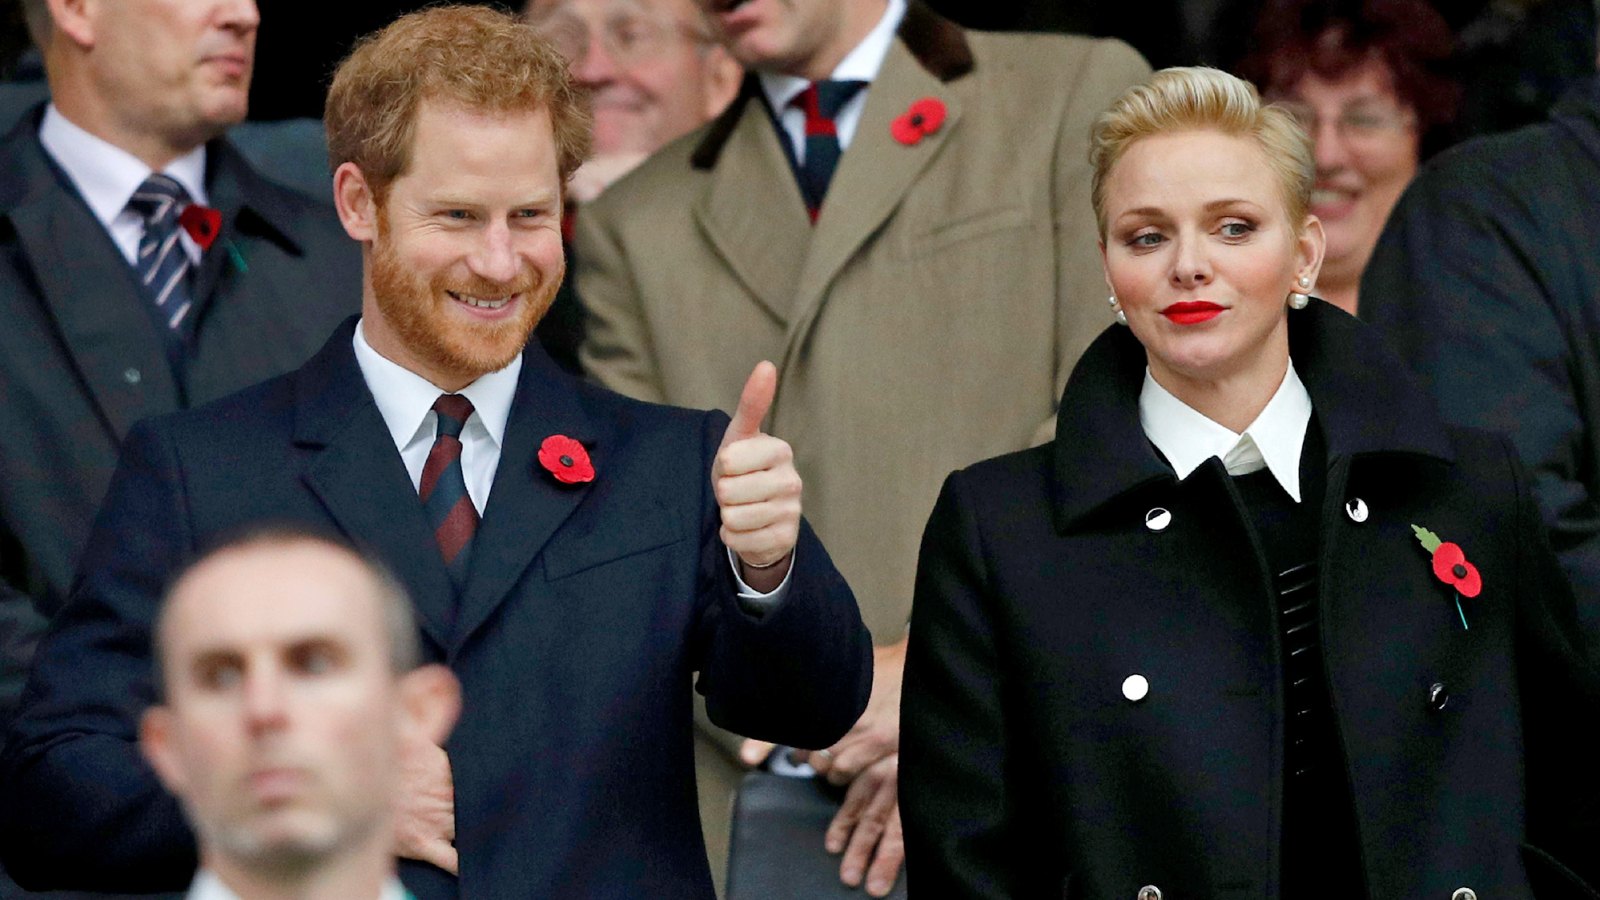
column 1273, row 441
column 207, row 886
column 860, row 64
column 107, row 175
column 405, row 398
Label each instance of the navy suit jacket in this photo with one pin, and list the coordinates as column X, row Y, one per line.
column 588, row 612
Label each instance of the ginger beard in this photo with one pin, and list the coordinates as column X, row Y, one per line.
column 417, row 309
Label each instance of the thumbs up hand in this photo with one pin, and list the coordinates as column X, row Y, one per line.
column 757, row 487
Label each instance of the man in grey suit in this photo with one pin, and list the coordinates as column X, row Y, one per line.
column 144, row 267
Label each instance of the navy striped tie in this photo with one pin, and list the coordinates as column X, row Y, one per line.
column 444, row 488
column 821, row 102
column 163, row 263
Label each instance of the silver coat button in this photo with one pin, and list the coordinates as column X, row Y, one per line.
column 1135, row 687
column 1356, row 509
column 1464, row 894
column 132, row 375
column 1157, row 519
column 1149, row 892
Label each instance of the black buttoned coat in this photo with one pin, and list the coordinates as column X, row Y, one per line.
column 1027, row 770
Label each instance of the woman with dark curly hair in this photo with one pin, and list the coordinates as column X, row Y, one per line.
column 1369, row 82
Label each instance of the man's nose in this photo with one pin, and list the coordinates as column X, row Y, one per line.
column 597, row 66
column 240, row 15
column 264, row 700
column 495, row 258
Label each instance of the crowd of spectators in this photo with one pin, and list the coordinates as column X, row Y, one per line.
column 889, row 199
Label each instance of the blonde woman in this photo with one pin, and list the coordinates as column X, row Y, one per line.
column 1256, row 624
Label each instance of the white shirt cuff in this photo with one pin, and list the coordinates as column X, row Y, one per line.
column 753, row 601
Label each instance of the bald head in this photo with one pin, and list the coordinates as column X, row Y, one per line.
column 290, row 688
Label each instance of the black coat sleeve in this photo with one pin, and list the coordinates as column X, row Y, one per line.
column 798, row 674
column 1559, row 693
column 961, row 826
column 1472, row 282
column 79, row 806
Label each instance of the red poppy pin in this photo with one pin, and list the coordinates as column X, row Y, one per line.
column 566, row 459
column 202, row 222
column 1451, row 567
column 923, row 118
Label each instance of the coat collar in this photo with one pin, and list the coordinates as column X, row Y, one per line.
column 362, row 481
column 1364, row 404
column 938, row 44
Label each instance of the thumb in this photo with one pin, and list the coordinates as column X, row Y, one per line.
column 753, row 403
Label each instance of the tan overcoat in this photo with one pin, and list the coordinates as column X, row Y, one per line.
column 928, row 320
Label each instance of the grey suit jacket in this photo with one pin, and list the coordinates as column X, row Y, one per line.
column 80, row 360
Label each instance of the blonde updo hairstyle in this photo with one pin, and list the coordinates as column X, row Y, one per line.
column 1203, row 99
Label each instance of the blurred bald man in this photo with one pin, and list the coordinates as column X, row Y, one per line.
column 291, row 700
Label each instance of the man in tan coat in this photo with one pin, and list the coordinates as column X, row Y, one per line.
column 926, row 295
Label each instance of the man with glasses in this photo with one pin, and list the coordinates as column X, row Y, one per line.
column 653, row 72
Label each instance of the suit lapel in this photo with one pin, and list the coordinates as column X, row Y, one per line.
column 109, row 336
column 752, row 211
column 360, row 478
column 874, row 175
column 526, row 504
column 247, row 206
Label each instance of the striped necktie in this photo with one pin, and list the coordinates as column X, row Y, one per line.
column 821, row 102
column 443, row 488
column 163, row 263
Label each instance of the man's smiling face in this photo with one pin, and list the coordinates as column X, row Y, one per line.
column 467, row 252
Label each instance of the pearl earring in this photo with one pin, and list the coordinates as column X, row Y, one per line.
column 1116, row 308
column 1301, row 300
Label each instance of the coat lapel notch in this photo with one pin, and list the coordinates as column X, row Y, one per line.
column 752, row 210
column 526, row 504
column 1101, row 451
column 362, row 482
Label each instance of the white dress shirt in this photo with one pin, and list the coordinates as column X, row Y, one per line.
column 405, row 400
column 861, row 64
column 1273, row 441
column 207, row 886
column 107, row 175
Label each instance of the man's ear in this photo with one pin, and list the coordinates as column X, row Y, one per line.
column 76, row 19
column 155, row 741
column 353, row 198
column 431, row 699
column 723, row 75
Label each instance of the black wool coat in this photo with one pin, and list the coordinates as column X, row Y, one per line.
column 1026, row 770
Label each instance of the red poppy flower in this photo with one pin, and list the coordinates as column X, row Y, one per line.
column 1450, row 564
column 925, row 117
column 202, row 222
column 566, row 459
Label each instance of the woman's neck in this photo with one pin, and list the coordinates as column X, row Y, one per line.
column 1232, row 401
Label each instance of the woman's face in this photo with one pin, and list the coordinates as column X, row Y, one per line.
column 1367, row 147
column 1201, row 254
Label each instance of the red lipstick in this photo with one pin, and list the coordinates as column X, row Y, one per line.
column 1192, row 313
